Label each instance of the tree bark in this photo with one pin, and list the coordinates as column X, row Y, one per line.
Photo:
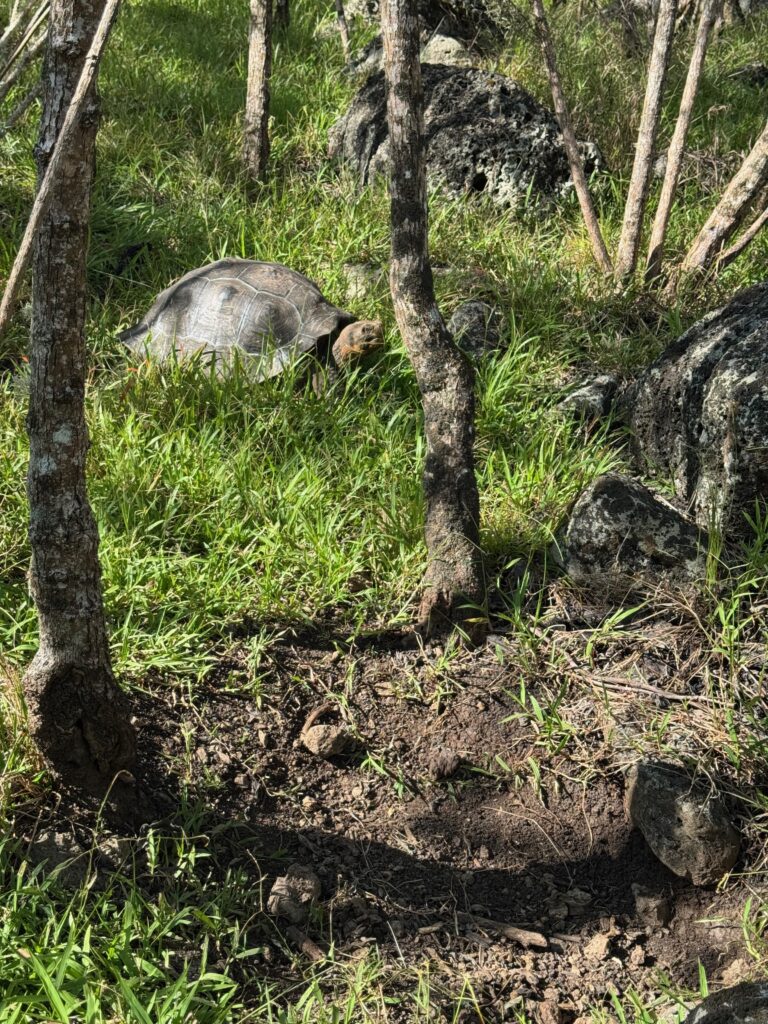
column 743, row 189
column 341, row 21
column 726, row 258
column 282, row 13
column 629, row 242
column 454, row 587
column 77, row 714
column 677, row 144
column 569, row 140
column 256, row 133
column 63, row 141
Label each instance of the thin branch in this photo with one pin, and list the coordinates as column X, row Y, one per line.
column 629, row 243
column 744, row 187
column 21, row 108
column 33, row 26
column 87, row 75
column 341, row 21
column 17, row 19
column 738, row 247
column 569, row 139
column 32, row 52
column 677, row 145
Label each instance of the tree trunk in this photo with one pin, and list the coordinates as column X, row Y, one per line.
column 744, row 188
column 453, row 589
column 629, row 243
column 341, row 21
column 677, row 145
column 77, row 714
column 256, row 134
column 282, row 13
column 569, row 140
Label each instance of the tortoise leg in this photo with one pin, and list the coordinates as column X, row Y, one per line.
column 324, row 378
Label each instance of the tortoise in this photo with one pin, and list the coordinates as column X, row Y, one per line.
column 265, row 312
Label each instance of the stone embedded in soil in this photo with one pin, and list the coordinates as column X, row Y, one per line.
column 442, row 49
column 484, row 134
column 620, row 534
column 476, row 327
column 61, row 857
column 699, row 413
column 592, row 399
column 443, row 763
column 743, row 1004
column 683, row 822
column 327, row 740
column 653, row 908
column 294, row 893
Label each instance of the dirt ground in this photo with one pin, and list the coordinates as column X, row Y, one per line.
column 454, row 819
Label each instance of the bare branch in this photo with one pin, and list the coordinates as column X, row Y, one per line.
column 744, row 187
column 32, row 53
column 341, row 21
column 629, row 243
column 29, row 32
column 87, row 75
column 569, row 140
column 21, row 108
column 738, row 247
column 677, row 145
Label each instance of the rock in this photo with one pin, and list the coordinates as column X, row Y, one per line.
column 653, row 908
column 591, row 400
column 443, row 763
column 488, row 21
column 736, row 972
column 61, row 857
column 621, row 535
column 597, row 947
column 684, row 823
column 744, row 1004
column 699, row 414
column 754, row 74
column 294, row 893
column 362, row 278
column 476, row 327
column 327, row 740
column 484, row 134
column 442, row 49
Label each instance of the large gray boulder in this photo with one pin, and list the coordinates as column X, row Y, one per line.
column 743, row 1004
column 699, row 413
column 483, row 134
column 683, row 822
column 621, row 537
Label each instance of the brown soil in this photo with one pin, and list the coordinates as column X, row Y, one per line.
column 452, row 817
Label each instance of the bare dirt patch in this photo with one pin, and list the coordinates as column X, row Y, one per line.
column 457, row 827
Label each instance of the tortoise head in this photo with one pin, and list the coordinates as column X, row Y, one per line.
column 357, row 340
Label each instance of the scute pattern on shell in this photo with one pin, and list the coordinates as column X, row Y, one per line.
column 263, row 310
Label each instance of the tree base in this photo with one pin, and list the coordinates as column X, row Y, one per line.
column 444, row 611
column 79, row 720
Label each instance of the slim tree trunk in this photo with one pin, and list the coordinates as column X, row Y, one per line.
column 677, row 144
column 569, row 139
column 453, row 590
column 629, row 242
column 282, row 13
column 743, row 189
column 256, row 134
column 77, row 714
column 341, row 21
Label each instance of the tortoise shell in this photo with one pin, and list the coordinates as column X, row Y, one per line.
column 263, row 310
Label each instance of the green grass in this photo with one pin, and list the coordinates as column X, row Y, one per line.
column 220, row 502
